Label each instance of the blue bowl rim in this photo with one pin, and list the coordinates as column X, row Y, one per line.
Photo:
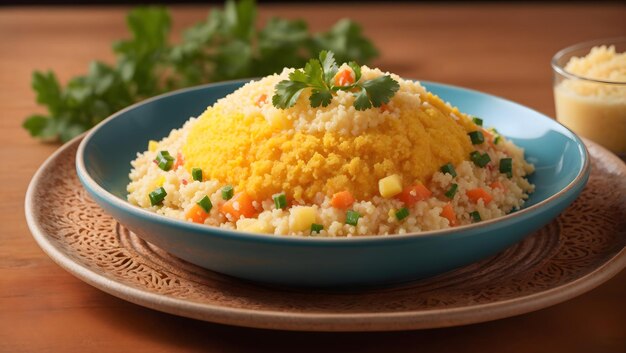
column 92, row 186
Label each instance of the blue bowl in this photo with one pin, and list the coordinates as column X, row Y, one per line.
column 103, row 164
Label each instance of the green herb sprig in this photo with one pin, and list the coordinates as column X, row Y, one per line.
column 319, row 76
column 227, row 45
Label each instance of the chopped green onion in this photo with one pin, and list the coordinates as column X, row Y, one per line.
column 196, row 174
column 402, row 213
column 452, row 191
column 506, row 166
column 496, row 140
column 476, row 137
column 280, row 200
column 475, row 216
column 352, row 217
column 228, row 192
column 206, row 204
column 448, row 168
column 157, row 196
column 164, row 160
column 479, row 159
column 316, row 228
column 478, row 121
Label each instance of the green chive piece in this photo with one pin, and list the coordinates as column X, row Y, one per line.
column 316, row 228
column 157, row 196
column 506, row 166
column 196, row 174
column 352, row 217
column 402, row 213
column 475, row 216
column 206, row 204
column 478, row 121
column 448, row 168
column 280, row 200
column 228, row 192
column 476, row 137
column 496, row 140
column 479, row 159
column 452, row 191
column 164, row 160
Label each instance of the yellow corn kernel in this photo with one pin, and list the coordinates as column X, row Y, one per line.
column 301, row 218
column 390, row 186
column 392, row 213
column 153, row 146
column 254, row 225
column 160, row 181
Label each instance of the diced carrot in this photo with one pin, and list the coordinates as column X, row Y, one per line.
column 239, row 205
column 179, row 161
column 412, row 194
column 184, row 181
column 344, row 78
column 496, row 185
column 479, row 193
column 342, row 199
column 385, row 108
column 448, row 212
column 261, row 100
column 196, row 214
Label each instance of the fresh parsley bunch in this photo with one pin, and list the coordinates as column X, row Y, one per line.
column 226, row 46
column 319, row 76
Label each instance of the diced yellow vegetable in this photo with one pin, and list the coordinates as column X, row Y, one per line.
column 392, row 213
column 301, row 218
column 390, row 186
column 153, row 146
column 160, row 181
column 254, row 225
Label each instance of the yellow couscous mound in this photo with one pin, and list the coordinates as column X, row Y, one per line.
column 254, row 155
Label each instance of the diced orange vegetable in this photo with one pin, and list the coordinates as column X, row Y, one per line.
column 448, row 212
column 239, row 205
column 344, row 78
column 196, row 214
column 476, row 194
column 179, row 161
column 261, row 100
column 496, row 185
column 342, row 199
column 385, row 108
column 412, row 194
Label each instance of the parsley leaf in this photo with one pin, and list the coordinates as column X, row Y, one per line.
column 345, row 39
column 319, row 75
column 380, row 90
column 329, row 66
column 287, row 93
column 227, row 45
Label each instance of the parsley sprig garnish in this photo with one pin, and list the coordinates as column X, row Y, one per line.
column 319, row 76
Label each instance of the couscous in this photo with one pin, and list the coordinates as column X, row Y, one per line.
column 374, row 154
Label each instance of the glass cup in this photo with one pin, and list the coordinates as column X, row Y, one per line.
column 592, row 108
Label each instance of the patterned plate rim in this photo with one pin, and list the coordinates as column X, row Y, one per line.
column 379, row 321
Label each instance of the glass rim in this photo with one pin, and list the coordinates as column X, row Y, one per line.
column 592, row 43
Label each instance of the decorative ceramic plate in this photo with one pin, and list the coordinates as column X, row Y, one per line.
column 584, row 247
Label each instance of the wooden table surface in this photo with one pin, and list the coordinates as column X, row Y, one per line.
column 500, row 49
